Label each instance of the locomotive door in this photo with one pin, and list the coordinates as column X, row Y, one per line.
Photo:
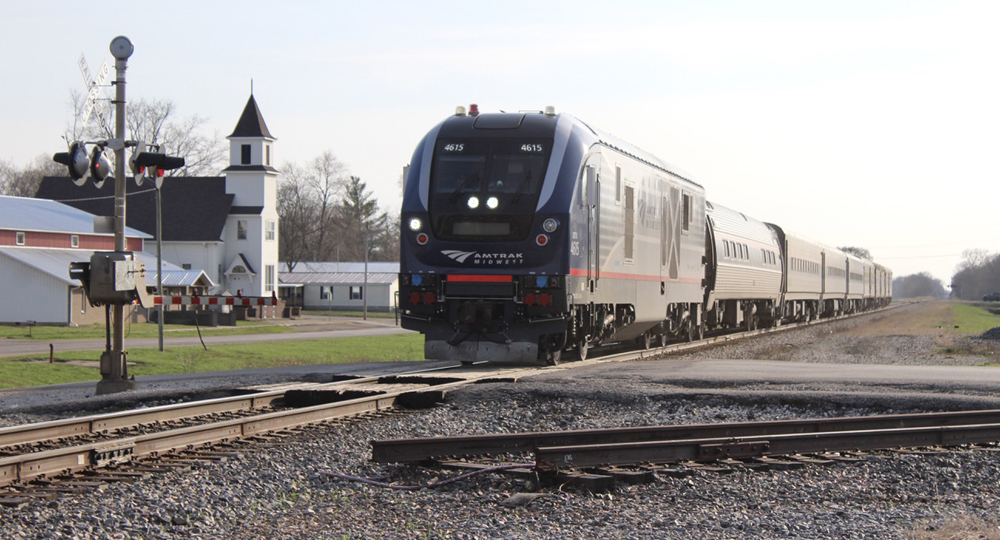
column 593, row 194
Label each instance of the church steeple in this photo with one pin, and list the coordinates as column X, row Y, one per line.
column 251, row 122
column 251, row 142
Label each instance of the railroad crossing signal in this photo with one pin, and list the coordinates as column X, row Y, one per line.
column 76, row 161
column 154, row 163
column 100, row 167
column 81, row 167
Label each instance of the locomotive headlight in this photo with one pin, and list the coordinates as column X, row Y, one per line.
column 415, row 224
column 473, row 202
column 492, row 203
column 550, row 225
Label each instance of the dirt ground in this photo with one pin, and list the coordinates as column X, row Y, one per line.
column 930, row 318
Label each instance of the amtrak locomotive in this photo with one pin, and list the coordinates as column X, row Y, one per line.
column 530, row 235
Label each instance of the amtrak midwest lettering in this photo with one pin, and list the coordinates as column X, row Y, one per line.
column 485, row 259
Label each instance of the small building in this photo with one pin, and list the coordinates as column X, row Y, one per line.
column 38, row 241
column 340, row 286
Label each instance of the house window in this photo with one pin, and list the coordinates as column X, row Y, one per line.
column 269, row 230
column 269, row 278
column 74, row 240
column 19, row 238
column 356, row 292
column 245, row 154
column 186, row 266
column 241, row 229
column 326, row 293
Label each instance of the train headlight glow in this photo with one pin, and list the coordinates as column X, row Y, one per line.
column 492, row 203
column 415, row 224
column 550, row 225
column 473, row 202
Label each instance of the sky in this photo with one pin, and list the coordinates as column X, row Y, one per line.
column 870, row 123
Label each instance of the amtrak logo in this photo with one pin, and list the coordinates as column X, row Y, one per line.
column 484, row 259
column 459, row 256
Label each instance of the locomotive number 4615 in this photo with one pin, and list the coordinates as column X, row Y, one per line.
column 531, row 148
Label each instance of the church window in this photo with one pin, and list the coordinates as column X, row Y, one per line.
column 269, row 230
column 241, row 229
column 269, row 278
column 245, row 154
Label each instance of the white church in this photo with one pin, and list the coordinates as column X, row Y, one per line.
column 225, row 225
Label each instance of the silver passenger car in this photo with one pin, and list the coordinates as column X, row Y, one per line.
column 743, row 271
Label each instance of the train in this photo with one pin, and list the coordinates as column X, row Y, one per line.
column 533, row 237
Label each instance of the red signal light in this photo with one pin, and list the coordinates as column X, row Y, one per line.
column 414, row 298
column 529, row 299
column 429, row 298
column 422, row 238
column 542, row 239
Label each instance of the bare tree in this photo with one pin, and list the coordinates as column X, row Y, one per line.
column 156, row 122
column 24, row 181
column 860, row 252
column 297, row 211
column 325, row 180
column 917, row 285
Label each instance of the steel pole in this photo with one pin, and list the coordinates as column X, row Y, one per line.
column 115, row 378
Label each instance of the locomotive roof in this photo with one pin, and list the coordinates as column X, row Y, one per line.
column 538, row 124
column 629, row 149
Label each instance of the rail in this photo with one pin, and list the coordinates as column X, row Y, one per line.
column 706, row 442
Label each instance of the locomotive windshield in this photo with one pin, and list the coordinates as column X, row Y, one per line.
column 486, row 189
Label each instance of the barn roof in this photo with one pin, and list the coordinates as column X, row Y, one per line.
column 45, row 215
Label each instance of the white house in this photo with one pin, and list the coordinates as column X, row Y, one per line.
column 341, row 286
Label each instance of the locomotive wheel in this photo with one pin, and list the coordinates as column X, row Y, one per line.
column 646, row 341
column 690, row 333
column 580, row 350
column 701, row 331
column 552, row 358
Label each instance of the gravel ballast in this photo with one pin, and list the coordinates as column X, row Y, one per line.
column 283, row 491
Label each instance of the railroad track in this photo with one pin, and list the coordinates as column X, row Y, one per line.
column 32, row 455
column 592, row 456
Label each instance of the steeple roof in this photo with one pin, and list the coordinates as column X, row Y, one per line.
column 251, row 122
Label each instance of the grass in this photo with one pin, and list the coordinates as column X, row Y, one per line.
column 78, row 366
column 974, row 318
column 335, row 313
column 136, row 330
